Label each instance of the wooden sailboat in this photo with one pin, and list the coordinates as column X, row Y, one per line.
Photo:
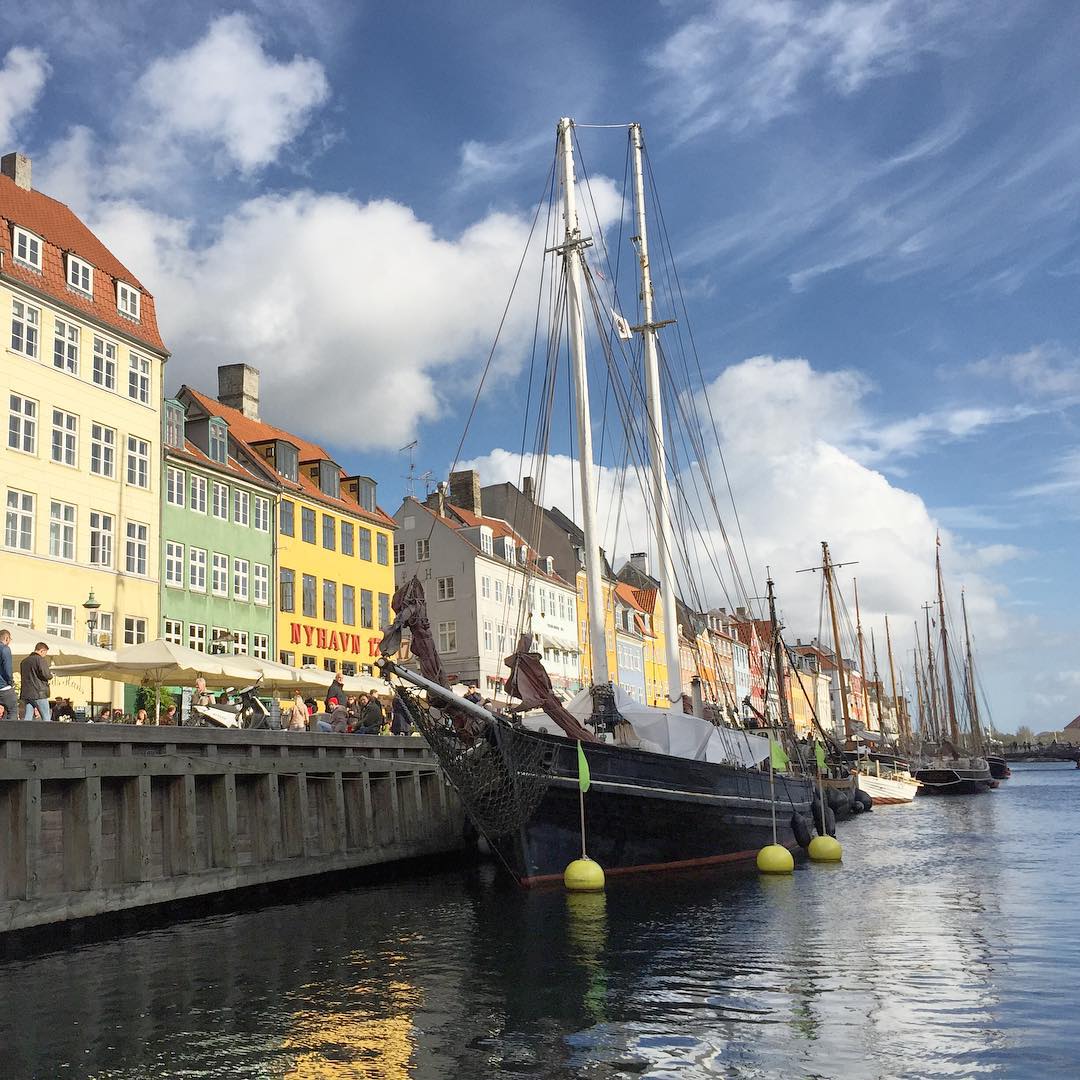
column 999, row 767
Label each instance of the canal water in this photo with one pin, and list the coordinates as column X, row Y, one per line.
column 946, row 945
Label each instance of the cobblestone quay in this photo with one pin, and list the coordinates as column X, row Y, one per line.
column 98, row 818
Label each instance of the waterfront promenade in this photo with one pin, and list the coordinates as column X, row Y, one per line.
column 100, row 818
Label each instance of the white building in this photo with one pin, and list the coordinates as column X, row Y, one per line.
column 484, row 586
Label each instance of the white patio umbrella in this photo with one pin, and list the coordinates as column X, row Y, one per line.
column 61, row 650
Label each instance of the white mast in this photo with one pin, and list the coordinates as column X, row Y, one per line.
column 657, row 457
column 571, row 252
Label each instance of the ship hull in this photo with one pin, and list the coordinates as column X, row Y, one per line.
column 888, row 791
column 954, row 781
column 999, row 768
column 646, row 812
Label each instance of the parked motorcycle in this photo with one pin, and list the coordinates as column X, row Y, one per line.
column 246, row 711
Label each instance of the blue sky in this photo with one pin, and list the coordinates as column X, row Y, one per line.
column 876, row 199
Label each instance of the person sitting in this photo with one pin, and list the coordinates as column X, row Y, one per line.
column 371, row 716
column 141, row 717
column 63, row 710
column 168, row 717
column 337, row 719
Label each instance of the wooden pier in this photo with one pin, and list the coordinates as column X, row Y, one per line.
column 99, row 818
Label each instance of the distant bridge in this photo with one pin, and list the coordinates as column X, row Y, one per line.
column 1057, row 752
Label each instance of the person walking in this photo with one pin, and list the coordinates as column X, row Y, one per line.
column 35, row 675
column 8, row 697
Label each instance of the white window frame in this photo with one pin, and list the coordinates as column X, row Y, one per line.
column 485, row 587
column 22, row 424
column 60, row 621
column 174, row 564
column 140, row 369
column 175, row 486
column 19, row 520
column 218, row 441
column 423, row 550
column 240, row 643
column 17, row 611
column 489, row 636
column 65, row 439
column 128, row 300
column 261, row 513
column 445, row 588
column 80, row 275
column 198, row 493
column 241, row 578
column 260, row 583
column 136, row 548
column 498, row 590
column 137, row 472
column 102, row 538
column 62, row 520
column 66, row 339
column 219, row 574
column 197, row 636
column 197, row 569
column 25, row 329
column 260, row 646
column 219, row 505
column 172, row 631
column 103, row 444
column 134, row 629
column 241, row 507
column 448, row 637
column 399, row 554
column 104, row 366
column 26, row 247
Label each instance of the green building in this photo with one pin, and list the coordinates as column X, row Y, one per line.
column 217, row 537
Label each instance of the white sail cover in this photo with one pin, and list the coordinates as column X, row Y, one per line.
column 671, row 731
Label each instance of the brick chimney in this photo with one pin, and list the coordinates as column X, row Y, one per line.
column 639, row 560
column 238, row 387
column 465, row 490
column 528, row 490
column 17, row 166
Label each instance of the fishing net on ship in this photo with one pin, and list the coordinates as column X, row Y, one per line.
column 501, row 774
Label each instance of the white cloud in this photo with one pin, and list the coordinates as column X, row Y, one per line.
column 22, row 78
column 1043, row 371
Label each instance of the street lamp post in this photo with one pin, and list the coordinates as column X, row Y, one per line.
column 91, row 606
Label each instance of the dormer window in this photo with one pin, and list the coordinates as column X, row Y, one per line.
column 26, row 247
column 80, row 275
column 330, row 479
column 219, row 441
column 174, row 424
column 127, row 300
column 487, row 543
column 549, row 564
column 365, row 493
column 523, row 554
column 287, row 460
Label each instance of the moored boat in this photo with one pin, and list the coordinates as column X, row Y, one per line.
column 891, row 786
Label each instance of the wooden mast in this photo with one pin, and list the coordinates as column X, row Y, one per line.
column 931, row 677
column 827, row 570
column 877, row 683
column 973, row 698
column 950, row 697
column 901, row 719
column 862, row 659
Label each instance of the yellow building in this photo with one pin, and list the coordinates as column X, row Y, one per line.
column 335, row 568
column 81, row 377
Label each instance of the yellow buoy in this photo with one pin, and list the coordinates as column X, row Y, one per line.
column 775, row 859
column 584, row 875
column 825, row 849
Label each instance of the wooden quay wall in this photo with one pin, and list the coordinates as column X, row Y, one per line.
column 98, row 818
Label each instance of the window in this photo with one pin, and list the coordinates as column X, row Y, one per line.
column 287, row 658
column 22, row 424
column 485, row 587
column 366, row 493
column 262, row 514
column 25, row 324
column 127, row 300
column 348, row 605
column 446, row 588
column 423, row 550
column 260, row 588
column 219, row 441
column 174, row 424
column 219, row 640
column 221, row 501
column 103, row 450
column 61, row 530
column 346, row 538
column 384, row 610
column 174, row 564
column 197, row 569
column 382, row 549
column 105, row 363
column 348, row 668
column 101, row 538
column 198, row 494
column 498, row 591
column 241, row 506
column 329, row 532
column 137, row 549
column 138, row 462
column 447, row 637
column 219, row 575
column 175, row 486
column 329, row 664
column 287, row 589
column 330, row 479
column 240, row 642
column 307, row 584
column 16, row 611
column 286, row 520
column 510, row 594
column 489, row 636
column 139, row 379
column 66, row 346
column 260, row 646
column 196, row 636
column 307, row 525
column 240, row 568
column 365, row 608
column 173, row 631
column 60, row 620
column 329, row 601
column 26, row 248
column 134, row 630
column 287, row 460
column 65, row 438
column 486, row 543
column 19, row 522
column 500, row 639
column 365, row 545
column 399, row 554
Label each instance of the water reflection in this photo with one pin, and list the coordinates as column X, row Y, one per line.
column 943, row 946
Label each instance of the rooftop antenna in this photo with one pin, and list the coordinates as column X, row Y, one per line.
column 428, row 480
column 410, row 478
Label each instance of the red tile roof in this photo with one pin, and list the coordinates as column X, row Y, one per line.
column 193, row 454
column 251, row 432
column 63, row 232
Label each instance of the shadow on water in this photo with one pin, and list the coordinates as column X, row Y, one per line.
column 944, row 946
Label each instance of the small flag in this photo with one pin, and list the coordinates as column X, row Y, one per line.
column 819, row 753
column 778, row 757
column 622, row 327
column 582, row 768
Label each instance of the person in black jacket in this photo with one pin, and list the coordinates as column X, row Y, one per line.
column 8, row 697
column 35, row 675
column 371, row 716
